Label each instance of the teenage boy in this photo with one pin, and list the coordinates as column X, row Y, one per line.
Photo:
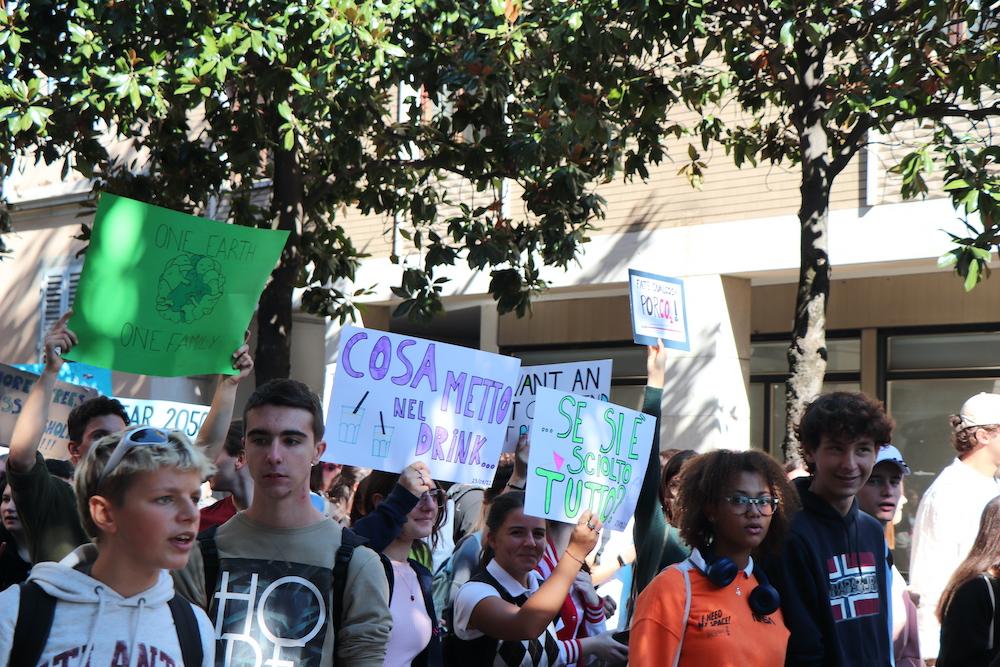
column 879, row 498
column 47, row 505
column 947, row 520
column 111, row 602
column 833, row 573
column 271, row 571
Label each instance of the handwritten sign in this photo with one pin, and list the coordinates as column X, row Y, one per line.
column 584, row 378
column 397, row 399
column 658, row 310
column 14, row 387
column 166, row 293
column 586, row 454
column 168, row 415
column 84, row 375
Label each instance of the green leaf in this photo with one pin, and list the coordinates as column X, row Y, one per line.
column 289, row 140
column 785, row 35
column 972, row 277
column 956, row 184
column 575, row 20
column 498, row 6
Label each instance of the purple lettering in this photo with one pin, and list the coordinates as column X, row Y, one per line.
column 451, row 383
column 474, row 454
column 504, row 405
column 404, row 377
column 427, row 369
column 440, row 437
column 383, row 349
column 423, row 440
column 346, row 361
column 476, row 381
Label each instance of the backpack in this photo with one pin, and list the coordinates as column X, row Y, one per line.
column 36, row 609
column 349, row 541
column 444, row 576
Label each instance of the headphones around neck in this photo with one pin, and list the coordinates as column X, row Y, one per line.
column 764, row 600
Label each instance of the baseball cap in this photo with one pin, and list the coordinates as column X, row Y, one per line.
column 891, row 454
column 980, row 410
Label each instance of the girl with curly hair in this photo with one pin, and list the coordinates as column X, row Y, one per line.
column 717, row 608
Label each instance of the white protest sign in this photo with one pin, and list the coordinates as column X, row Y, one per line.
column 586, row 455
column 659, row 311
column 398, row 399
column 584, row 378
column 14, row 387
column 168, row 415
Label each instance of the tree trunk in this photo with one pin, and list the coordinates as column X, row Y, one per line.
column 807, row 352
column 274, row 317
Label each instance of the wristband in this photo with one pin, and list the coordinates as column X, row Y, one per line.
column 515, row 487
column 568, row 553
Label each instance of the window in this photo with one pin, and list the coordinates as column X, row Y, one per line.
column 928, row 376
column 769, row 370
column 58, row 290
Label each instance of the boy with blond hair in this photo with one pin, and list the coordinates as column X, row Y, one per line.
column 112, row 601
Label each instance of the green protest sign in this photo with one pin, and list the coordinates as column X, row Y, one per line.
column 166, row 293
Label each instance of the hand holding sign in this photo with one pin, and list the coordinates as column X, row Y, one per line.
column 59, row 340
column 585, row 536
column 586, row 455
column 656, row 364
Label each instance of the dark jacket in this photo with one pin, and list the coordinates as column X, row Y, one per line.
column 965, row 631
column 835, row 593
column 381, row 528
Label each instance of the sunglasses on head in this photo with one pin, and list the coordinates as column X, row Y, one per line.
column 136, row 437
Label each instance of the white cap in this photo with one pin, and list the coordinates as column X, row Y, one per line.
column 981, row 410
column 892, row 455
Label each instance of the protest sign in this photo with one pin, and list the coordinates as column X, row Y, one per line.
column 84, row 375
column 586, row 454
column 166, row 293
column 398, row 399
column 658, row 310
column 14, row 387
column 168, row 415
column 584, row 378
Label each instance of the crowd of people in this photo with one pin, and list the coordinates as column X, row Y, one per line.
column 731, row 559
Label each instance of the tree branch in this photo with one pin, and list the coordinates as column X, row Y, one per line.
column 849, row 146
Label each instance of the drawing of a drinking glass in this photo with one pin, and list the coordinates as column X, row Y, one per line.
column 381, row 438
column 350, row 424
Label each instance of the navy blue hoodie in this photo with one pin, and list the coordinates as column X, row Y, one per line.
column 832, row 577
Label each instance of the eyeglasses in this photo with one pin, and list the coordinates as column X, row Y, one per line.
column 137, row 437
column 741, row 504
column 434, row 498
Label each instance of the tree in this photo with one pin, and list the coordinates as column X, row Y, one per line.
column 813, row 80
column 191, row 103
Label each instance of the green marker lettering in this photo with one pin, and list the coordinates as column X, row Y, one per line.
column 577, row 454
column 550, row 477
column 568, row 416
column 579, row 420
column 635, row 438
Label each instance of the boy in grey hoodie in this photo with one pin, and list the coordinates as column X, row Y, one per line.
column 137, row 494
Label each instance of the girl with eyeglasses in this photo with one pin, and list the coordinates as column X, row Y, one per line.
column 399, row 513
column 717, row 607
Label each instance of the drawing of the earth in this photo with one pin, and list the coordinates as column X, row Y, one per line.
column 189, row 288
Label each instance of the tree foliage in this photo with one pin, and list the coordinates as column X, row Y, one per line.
column 813, row 81
column 191, row 103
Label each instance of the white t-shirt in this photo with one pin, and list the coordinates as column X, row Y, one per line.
column 945, row 527
column 411, row 626
column 474, row 592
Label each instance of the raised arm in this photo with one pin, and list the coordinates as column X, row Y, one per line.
column 383, row 524
column 647, row 510
column 35, row 412
column 213, row 431
column 501, row 620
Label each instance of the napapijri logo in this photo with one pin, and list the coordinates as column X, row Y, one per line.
column 853, row 586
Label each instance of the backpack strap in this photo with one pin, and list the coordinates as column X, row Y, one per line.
column 993, row 607
column 35, row 611
column 349, row 541
column 210, row 560
column 684, row 568
column 188, row 633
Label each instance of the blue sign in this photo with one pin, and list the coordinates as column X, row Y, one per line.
column 658, row 310
column 77, row 373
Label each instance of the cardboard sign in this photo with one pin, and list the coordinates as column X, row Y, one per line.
column 165, row 293
column 84, row 375
column 658, row 310
column 168, row 415
column 398, row 399
column 14, row 387
column 584, row 378
column 586, row 455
